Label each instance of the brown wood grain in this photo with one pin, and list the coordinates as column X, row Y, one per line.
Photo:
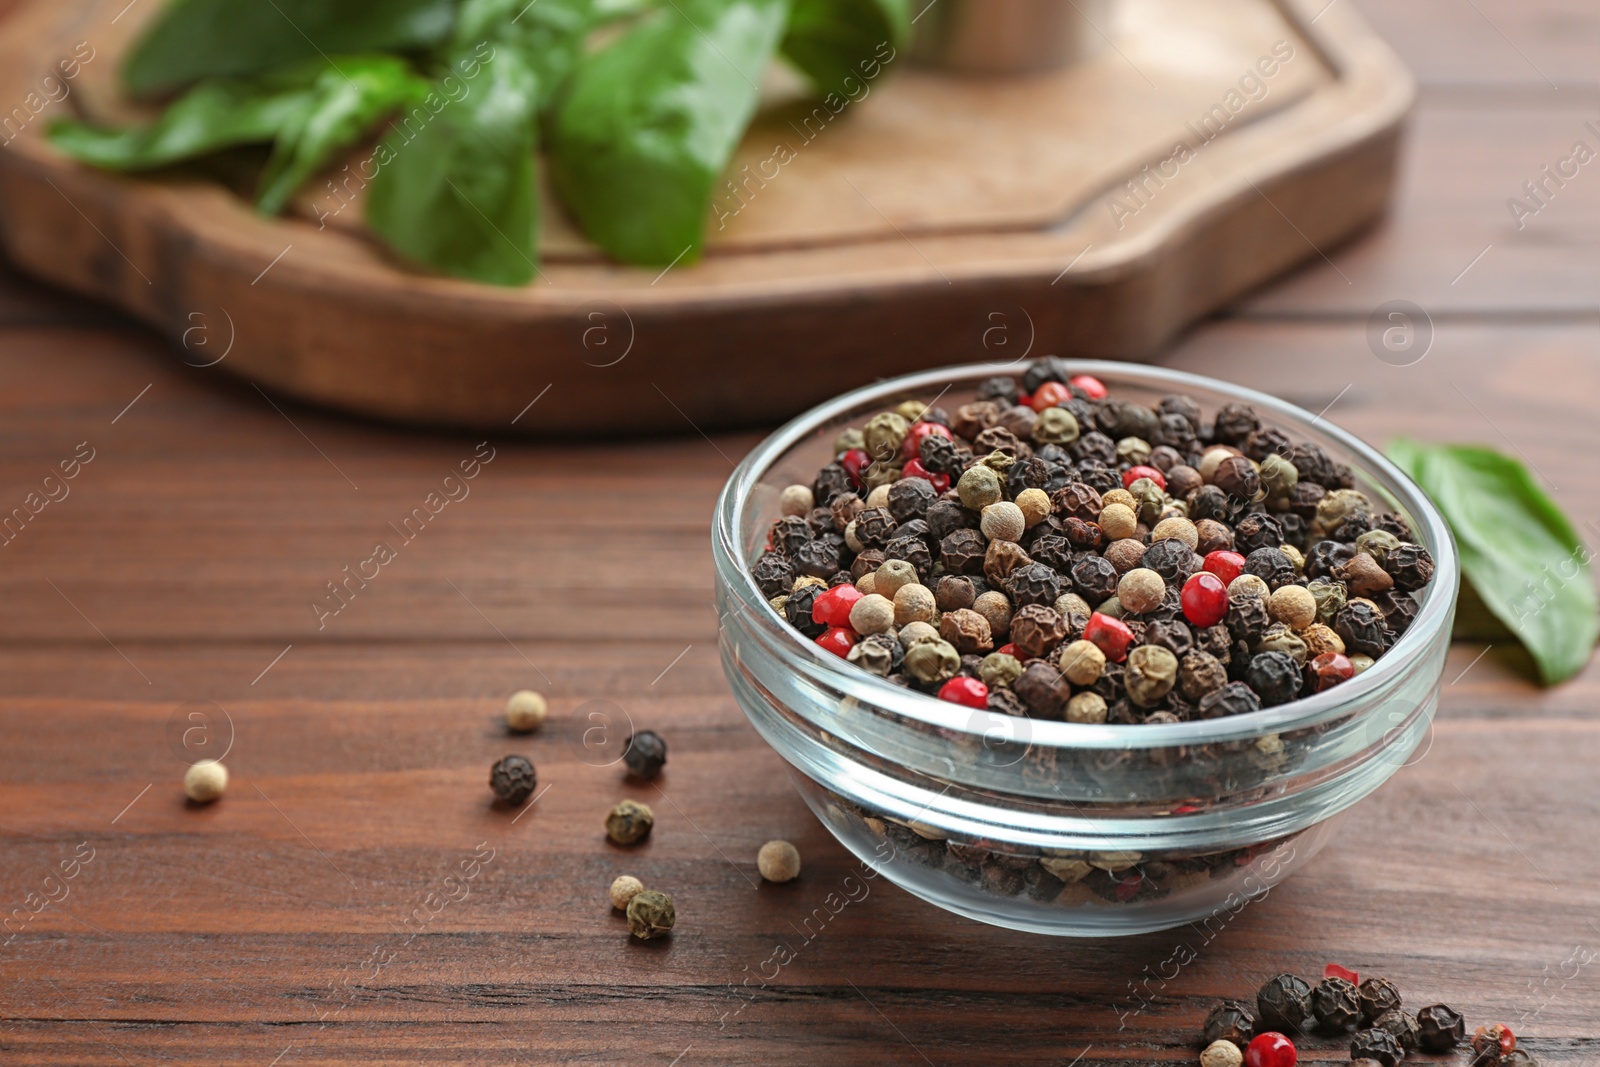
column 183, row 563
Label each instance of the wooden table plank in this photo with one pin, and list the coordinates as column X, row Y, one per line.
column 1504, row 43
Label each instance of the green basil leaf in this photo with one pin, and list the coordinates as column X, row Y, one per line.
column 842, row 45
column 348, row 97
column 648, row 124
column 195, row 39
column 548, row 34
column 1518, row 550
column 454, row 188
column 211, row 116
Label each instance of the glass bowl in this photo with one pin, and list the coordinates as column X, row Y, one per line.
column 1056, row 827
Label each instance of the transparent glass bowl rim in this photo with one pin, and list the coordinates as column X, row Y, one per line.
column 733, row 567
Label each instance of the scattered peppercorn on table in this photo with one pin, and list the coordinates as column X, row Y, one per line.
column 205, row 585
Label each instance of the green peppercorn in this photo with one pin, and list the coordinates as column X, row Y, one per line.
column 651, row 915
column 1151, row 673
column 932, row 662
column 978, row 488
column 1055, row 426
column 883, row 435
column 1150, row 500
column 1330, row 597
column 1133, row 452
column 1278, row 475
column 630, row 822
column 998, row 670
column 1377, row 544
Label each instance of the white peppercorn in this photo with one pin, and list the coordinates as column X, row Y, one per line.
column 1141, row 590
column 1250, row 585
column 1035, row 505
column 1082, row 662
column 1221, row 1054
column 914, row 603
column 525, row 711
column 1118, row 521
column 205, row 781
column 872, row 614
column 1002, row 521
column 778, row 861
column 1178, row 529
column 878, row 497
column 796, row 500
column 995, row 607
column 1087, row 707
column 624, row 889
column 1294, row 605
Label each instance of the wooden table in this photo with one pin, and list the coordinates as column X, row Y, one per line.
column 272, row 927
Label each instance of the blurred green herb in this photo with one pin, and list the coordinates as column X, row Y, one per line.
column 645, row 103
column 1520, row 553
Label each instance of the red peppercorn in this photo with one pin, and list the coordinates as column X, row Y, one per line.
column 1224, row 564
column 832, row 608
column 1185, row 809
column 1270, row 1050
column 1133, row 474
column 1008, row 650
column 1024, row 400
column 1204, row 599
column 1049, row 395
column 1333, row 970
column 915, row 469
column 963, row 690
column 854, row 462
column 1111, row 636
column 912, row 448
column 838, row 640
column 1331, row 668
column 1129, row 887
column 1093, row 387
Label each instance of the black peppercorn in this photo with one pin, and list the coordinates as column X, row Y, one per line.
column 832, row 480
column 773, row 574
column 818, row 558
column 1335, row 1003
column 940, row 455
column 1378, row 997
column 1215, row 640
column 513, row 779
column 874, row 527
column 1360, row 626
column 1272, row 565
column 1238, row 478
column 1094, row 448
column 1045, row 369
column 962, row 552
column 797, row 610
column 645, row 754
column 1209, row 502
column 789, row 533
column 1042, row 688
column 865, row 563
column 1267, row 441
column 999, row 388
column 1172, row 559
column 1410, row 566
column 1035, row 584
column 1326, row 557
column 1095, row 579
column 1440, row 1028
column 1234, row 423
column 1247, row 617
column 1172, row 635
column 1053, row 550
column 909, row 498
column 1379, row 1045
column 1304, row 498
column 1257, row 531
column 1403, row 1025
column 1275, row 677
column 1235, row 698
column 1229, row 1021
column 1314, row 465
column 915, row 551
column 1283, row 1003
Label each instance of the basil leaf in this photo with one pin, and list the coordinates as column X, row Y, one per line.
column 648, row 124
column 195, row 39
column 454, row 188
column 1520, row 553
column 211, row 116
column 842, row 45
column 349, row 95
column 547, row 34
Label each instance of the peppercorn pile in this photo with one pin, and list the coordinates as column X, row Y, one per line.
column 1383, row 1031
column 1050, row 551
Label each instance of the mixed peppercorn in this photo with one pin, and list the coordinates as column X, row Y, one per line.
column 1051, row 551
column 1369, row 1013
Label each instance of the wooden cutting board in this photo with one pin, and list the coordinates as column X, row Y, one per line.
column 1094, row 211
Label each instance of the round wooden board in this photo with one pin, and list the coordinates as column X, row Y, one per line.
column 935, row 220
